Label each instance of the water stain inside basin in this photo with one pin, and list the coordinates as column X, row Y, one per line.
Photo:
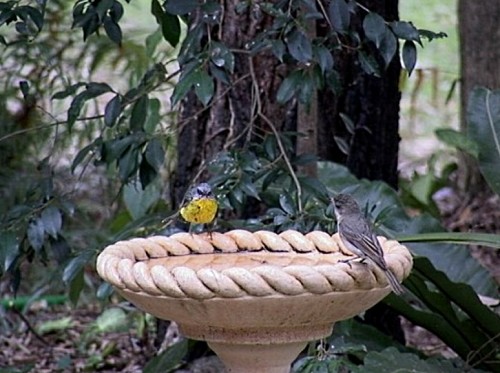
column 247, row 260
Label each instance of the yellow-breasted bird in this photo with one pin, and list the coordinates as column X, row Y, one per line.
column 200, row 206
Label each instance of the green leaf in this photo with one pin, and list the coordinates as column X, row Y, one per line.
column 116, row 11
column 147, row 174
column 278, row 48
column 71, row 90
column 138, row 200
column 155, row 155
column 52, row 220
column 114, row 149
column 323, row 57
column 35, row 15
column 25, row 88
column 405, row 30
column 342, row 144
column 111, row 320
column 315, row 187
column 349, row 124
column 299, row 46
column 184, row 85
column 112, row 111
column 452, row 311
column 388, row 47
column 60, row 249
column 36, row 234
column 248, row 187
column 391, row 360
column 7, row 15
column 463, row 296
column 153, row 116
column 483, row 127
column 340, row 18
column 104, row 291
column 93, row 90
column 219, row 74
column 139, row 114
column 102, row 8
column 221, row 56
column 368, row 64
column 168, row 360
column 430, row 35
column 457, row 140
column 180, row 7
column 96, row 89
column 113, row 30
column 57, row 325
column 287, row 204
column 375, row 28
column 128, row 163
column 90, row 23
column 76, row 265
column 307, row 87
column 288, row 87
column 9, row 250
column 204, row 86
column 169, row 23
column 409, row 56
column 76, row 287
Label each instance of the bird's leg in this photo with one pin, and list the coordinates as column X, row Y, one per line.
column 210, row 227
column 348, row 261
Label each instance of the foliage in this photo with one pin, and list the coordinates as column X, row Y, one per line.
column 482, row 138
column 287, row 38
column 169, row 360
column 483, row 127
column 353, row 340
column 455, row 314
column 39, row 217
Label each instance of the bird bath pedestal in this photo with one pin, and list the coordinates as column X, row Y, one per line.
column 256, row 298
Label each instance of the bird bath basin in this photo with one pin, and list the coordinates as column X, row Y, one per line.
column 256, row 298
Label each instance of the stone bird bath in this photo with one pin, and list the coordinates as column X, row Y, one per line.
column 256, row 298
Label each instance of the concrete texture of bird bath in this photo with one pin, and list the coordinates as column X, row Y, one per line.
column 256, row 298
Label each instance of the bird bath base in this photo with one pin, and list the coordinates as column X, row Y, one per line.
column 256, row 298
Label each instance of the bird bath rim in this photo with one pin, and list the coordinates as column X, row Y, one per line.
column 256, row 298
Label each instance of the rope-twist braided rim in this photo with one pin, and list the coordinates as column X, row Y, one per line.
column 130, row 265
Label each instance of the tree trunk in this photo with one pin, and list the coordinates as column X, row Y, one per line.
column 479, row 33
column 231, row 120
column 372, row 103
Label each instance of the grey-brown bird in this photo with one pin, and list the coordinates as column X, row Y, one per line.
column 358, row 237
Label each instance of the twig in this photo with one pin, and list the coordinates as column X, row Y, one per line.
column 278, row 139
column 30, row 328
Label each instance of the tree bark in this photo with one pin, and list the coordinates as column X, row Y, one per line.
column 372, row 103
column 230, row 120
column 479, row 33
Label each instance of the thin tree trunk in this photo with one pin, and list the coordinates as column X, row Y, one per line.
column 479, row 31
column 372, row 103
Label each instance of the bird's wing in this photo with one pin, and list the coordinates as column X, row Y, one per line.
column 365, row 240
column 374, row 250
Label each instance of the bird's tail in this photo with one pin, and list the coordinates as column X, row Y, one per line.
column 393, row 281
